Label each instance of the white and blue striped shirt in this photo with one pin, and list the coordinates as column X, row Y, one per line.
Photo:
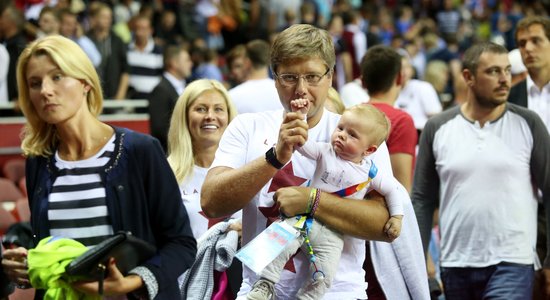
column 77, row 206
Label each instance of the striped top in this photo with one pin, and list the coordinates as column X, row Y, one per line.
column 146, row 67
column 77, row 205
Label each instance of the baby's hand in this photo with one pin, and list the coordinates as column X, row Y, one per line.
column 301, row 105
column 393, row 227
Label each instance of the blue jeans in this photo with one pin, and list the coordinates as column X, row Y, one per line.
column 502, row 281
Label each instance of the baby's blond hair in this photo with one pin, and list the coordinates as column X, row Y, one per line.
column 376, row 122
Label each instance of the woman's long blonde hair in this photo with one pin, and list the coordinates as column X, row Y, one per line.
column 180, row 146
column 38, row 137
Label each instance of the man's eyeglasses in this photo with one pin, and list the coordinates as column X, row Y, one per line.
column 290, row 80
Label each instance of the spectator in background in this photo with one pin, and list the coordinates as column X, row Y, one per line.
column 308, row 13
column 48, row 22
column 384, row 78
column 501, row 32
column 196, row 49
column 125, row 10
column 480, row 163
column 447, row 51
column 70, row 28
column 385, row 28
column 417, row 56
column 11, row 34
column 144, row 59
column 277, row 10
column 291, row 18
column 396, row 270
column 113, row 69
column 257, row 93
column 354, row 39
column 122, row 23
column 437, row 74
column 405, row 20
column 417, row 97
column 220, row 23
column 323, row 11
column 503, row 21
column 166, row 32
column 232, row 14
column 343, row 72
column 448, row 19
column 200, row 117
column 533, row 40
column 368, row 14
column 207, row 67
column 177, row 68
column 235, row 60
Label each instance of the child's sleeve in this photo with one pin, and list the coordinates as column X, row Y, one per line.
column 310, row 149
column 392, row 190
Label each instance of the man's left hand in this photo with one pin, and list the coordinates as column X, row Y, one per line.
column 292, row 200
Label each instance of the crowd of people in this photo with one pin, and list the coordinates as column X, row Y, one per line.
column 127, row 40
column 257, row 113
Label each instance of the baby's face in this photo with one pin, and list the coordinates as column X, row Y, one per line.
column 350, row 140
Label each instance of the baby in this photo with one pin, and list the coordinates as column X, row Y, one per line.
column 342, row 168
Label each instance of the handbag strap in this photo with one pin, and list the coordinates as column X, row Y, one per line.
column 101, row 268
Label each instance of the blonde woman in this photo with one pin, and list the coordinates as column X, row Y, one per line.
column 200, row 117
column 87, row 180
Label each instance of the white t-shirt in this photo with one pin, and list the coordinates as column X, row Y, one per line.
column 539, row 100
column 255, row 96
column 353, row 93
column 191, row 194
column 248, row 137
column 484, row 180
column 420, row 100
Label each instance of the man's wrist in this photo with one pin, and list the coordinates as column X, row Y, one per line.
column 271, row 158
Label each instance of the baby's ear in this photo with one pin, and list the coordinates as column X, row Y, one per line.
column 370, row 150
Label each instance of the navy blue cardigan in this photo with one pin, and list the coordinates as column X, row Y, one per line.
column 142, row 197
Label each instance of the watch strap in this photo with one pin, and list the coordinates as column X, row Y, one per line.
column 271, row 158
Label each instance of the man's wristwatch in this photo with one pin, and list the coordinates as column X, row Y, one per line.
column 271, row 158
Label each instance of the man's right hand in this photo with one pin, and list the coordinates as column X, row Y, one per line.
column 293, row 133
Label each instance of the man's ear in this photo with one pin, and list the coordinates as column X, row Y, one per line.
column 399, row 78
column 248, row 62
column 468, row 77
column 370, row 150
